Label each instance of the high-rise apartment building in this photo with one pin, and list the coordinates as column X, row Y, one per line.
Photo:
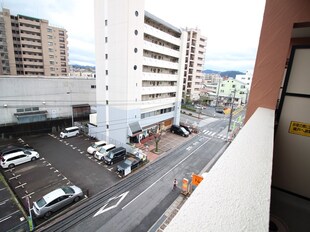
column 194, row 61
column 139, row 71
column 30, row 46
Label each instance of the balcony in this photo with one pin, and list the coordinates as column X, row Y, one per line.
column 160, row 63
column 161, row 35
column 149, row 76
column 157, row 103
column 235, row 195
column 30, row 29
column 158, row 89
column 161, row 49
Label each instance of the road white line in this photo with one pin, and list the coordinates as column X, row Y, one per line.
column 213, row 134
column 28, row 195
column 5, row 201
column 190, row 154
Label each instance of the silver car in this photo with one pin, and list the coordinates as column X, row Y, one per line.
column 56, row 200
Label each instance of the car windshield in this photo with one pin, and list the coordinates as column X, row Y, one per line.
column 185, row 131
column 110, row 155
column 94, row 145
column 102, row 150
column 41, row 202
column 127, row 161
column 67, row 190
column 27, row 152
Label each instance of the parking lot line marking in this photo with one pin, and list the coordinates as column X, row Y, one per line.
column 28, row 195
column 2, row 189
column 65, row 178
column 14, row 177
column 48, row 164
column 79, row 149
column 51, row 168
column 56, row 170
column 59, row 175
column 99, row 162
column 73, row 148
column 189, row 148
column 213, row 134
column 71, row 145
column 82, row 152
column 22, row 185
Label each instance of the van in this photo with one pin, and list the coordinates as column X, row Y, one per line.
column 103, row 151
column 69, row 132
column 115, row 155
column 96, row 147
column 16, row 158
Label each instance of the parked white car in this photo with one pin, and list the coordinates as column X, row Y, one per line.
column 69, row 132
column 16, row 158
column 104, row 151
column 96, row 147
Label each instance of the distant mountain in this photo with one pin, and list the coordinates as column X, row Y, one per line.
column 209, row 71
column 82, row 66
column 230, row 74
column 223, row 74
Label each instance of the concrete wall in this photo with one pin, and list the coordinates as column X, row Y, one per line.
column 235, row 195
column 55, row 95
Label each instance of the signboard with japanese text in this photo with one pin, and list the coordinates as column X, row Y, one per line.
column 300, row 128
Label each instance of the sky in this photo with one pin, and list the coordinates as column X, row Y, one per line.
column 232, row 27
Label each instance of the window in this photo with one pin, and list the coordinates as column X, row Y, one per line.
column 51, row 50
column 137, row 13
column 136, row 32
column 106, row 22
column 106, row 87
column 135, row 67
column 136, row 50
column 107, row 102
column 106, row 39
column 233, row 86
column 106, row 72
column 49, row 36
column 222, row 85
column 49, row 30
column 106, row 56
column 52, row 62
column 52, row 56
column 50, row 43
column 93, row 86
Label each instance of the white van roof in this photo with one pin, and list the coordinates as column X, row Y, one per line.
column 100, row 142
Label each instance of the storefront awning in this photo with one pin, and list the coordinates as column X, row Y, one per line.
column 135, row 128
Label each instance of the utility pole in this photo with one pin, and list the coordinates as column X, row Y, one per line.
column 231, row 112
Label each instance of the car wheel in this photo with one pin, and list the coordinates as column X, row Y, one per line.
column 172, row 132
column 65, row 136
column 48, row 214
column 111, row 162
column 33, row 158
column 76, row 199
column 11, row 165
column 94, row 153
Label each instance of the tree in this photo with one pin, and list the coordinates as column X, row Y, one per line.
column 157, row 138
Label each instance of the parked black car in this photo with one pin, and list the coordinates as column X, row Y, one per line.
column 179, row 130
column 115, row 155
column 188, row 128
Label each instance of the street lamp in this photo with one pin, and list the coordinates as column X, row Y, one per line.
column 72, row 121
column 231, row 111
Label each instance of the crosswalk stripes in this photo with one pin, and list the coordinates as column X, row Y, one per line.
column 213, row 134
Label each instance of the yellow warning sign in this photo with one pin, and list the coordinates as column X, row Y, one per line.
column 300, row 128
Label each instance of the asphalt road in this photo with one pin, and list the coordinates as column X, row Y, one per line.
column 135, row 205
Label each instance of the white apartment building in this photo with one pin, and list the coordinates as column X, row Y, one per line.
column 194, row 61
column 245, row 78
column 139, row 72
column 233, row 88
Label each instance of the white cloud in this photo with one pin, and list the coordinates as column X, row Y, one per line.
column 232, row 27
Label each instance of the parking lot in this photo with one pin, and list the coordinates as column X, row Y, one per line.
column 66, row 162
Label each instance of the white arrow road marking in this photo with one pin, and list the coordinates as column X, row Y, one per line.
column 103, row 209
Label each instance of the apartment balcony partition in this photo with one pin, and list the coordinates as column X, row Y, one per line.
column 160, row 49
column 161, row 35
column 30, row 36
column 27, row 42
column 28, row 21
column 160, row 63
